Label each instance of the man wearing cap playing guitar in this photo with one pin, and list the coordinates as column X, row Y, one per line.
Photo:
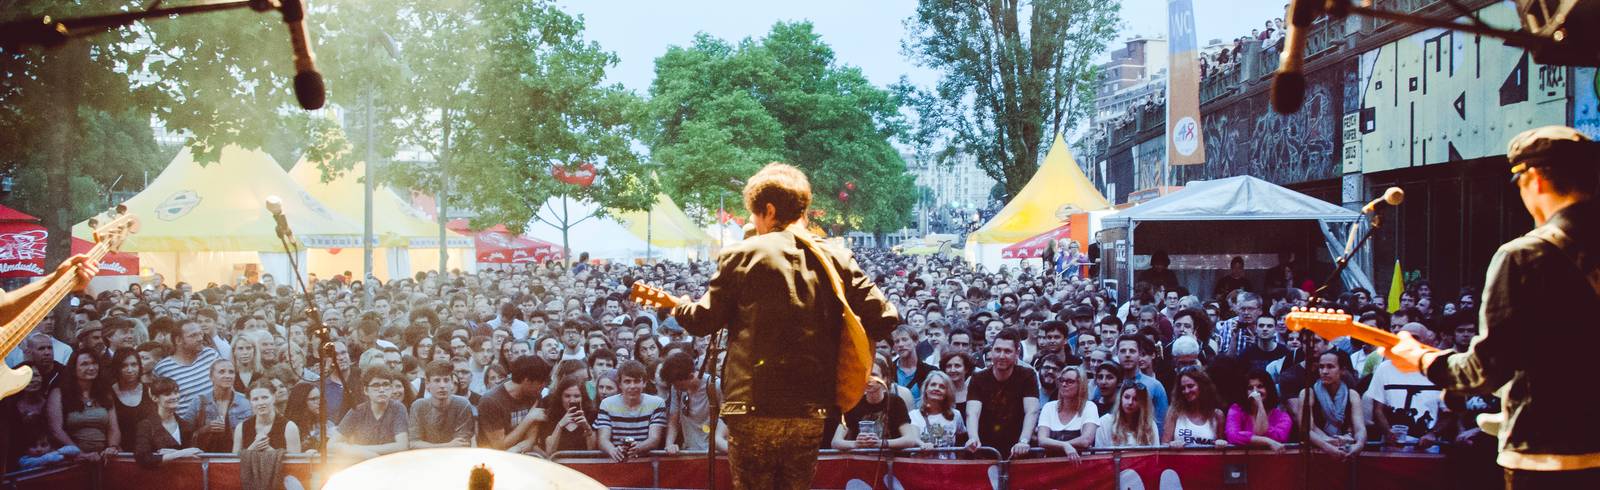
column 779, row 295
column 1537, row 330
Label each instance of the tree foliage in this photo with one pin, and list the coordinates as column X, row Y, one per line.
column 1014, row 73
column 528, row 98
column 722, row 111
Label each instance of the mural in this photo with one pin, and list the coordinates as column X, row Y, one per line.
column 1147, row 163
column 1119, row 175
column 1247, row 138
column 1586, row 102
column 1440, row 96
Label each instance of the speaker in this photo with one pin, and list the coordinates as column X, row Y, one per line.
column 1572, row 28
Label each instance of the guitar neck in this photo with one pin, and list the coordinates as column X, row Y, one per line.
column 1375, row 336
column 18, row 328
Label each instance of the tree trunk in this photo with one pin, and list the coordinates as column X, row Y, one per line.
column 66, row 68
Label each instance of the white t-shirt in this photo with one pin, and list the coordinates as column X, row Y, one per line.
column 938, row 429
column 1393, row 388
column 1050, row 416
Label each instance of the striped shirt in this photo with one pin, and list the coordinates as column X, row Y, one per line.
column 1232, row 338
column 634, row 422
column 192, row 379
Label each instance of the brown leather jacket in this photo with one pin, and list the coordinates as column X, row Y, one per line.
column 783, row 321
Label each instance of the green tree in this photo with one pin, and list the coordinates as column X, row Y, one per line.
column 721, row 112
column 1014, row 73
column 534, row 102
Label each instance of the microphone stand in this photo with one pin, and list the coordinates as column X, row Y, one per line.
column 325, row 351
column 49, row 31
column 714, row 402
column 1317, row 299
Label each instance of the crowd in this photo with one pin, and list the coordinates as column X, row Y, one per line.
column 1221, row 58
column 544, row 358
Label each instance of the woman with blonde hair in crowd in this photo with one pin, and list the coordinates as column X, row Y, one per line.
column 1068, row 424
column 247, row 365
column 1132, row 420
column 938, row 420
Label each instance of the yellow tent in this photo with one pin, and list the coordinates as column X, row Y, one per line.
column 1056, row 190
column 666, row 226
column 208, row 223
column 410, row 237
column 221, row 207
column 395, row 222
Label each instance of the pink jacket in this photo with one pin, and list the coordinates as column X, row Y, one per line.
column 1241, row 425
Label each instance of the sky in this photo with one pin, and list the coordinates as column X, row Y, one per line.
column 863, row 33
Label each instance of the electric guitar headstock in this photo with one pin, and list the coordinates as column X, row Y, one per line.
column 1331, row 324
column 650, row 296
column 114, row 232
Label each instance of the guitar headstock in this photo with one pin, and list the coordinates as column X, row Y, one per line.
column 1326, row 322
column 650, row 297
column 121, row 225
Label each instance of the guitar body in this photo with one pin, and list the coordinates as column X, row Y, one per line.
column 13, row 381
column 108, row 237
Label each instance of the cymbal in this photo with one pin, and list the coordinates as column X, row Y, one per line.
column 448, row 469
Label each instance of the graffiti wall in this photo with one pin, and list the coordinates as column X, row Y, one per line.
column 1586, row 102
column 1148, row 164
column 1246, row 137
column 1440, row 96
column 1119, row 175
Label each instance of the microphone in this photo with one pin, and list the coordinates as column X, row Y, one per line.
column 1289, row 83
column 275, row 206
column 1391, row 197
column 308, row 88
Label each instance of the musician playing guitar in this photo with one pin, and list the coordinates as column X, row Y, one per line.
column 1537, row 329
column 775, row 294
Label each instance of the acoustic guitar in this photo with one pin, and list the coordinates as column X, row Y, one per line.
column 108, row 238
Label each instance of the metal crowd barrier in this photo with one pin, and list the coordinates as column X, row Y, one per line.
column 199, row 474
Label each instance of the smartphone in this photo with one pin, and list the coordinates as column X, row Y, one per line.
column 868, row 427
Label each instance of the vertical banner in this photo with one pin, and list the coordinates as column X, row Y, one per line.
column 1183, row 87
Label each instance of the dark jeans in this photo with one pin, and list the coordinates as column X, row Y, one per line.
column 773, row 452
column 1524, row 479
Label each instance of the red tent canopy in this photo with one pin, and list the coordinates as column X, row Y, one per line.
column 1033, row 247
column 22, row 249
column 22, row 245
column 497, row 245
column 113, row 264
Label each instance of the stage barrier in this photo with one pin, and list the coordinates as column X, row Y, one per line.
column 1151, row 468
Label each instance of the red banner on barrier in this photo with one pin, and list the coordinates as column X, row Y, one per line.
column 1167, row 470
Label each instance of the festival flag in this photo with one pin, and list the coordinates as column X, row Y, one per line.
column 1396, row 286
column 1183, row 87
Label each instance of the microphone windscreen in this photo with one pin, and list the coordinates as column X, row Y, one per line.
column 1288, row 91
column 309, row 91
column 1394, row 196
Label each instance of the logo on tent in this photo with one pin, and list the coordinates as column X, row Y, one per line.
column 311, row 203
column 177, row 205
column 24, row 246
